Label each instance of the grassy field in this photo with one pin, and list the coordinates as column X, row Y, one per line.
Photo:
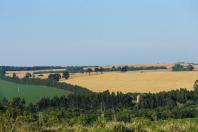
column 138, row 81
column 31, row 93
column 137, row 125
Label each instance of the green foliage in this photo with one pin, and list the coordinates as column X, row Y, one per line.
column 54, row 77
column 101, row 70
column 124, row 69
column 15, row 68
column 28, row 75
column 96, row 69
column 179, row 67
column 89, row 70
column 14, row 75
column 66, row 74
column 195, row 86
column 59, row 117
column 132, row 68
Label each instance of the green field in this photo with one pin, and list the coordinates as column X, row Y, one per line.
column 31, row 93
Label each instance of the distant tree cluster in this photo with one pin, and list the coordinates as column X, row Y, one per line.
column 57, row 77
column 96, row 70
column 15, row 68
column 2, row 72
column 66, row 74
column 132, row 68
column 179, row 67
column 54, row 77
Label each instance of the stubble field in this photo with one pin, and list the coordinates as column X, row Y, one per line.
column 139, row 81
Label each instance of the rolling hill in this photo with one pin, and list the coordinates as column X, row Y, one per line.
column 31, row 93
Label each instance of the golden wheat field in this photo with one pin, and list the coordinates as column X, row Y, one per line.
column 144, row 81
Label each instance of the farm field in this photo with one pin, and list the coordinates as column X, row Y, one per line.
column 31, row 93
column 138, row 81
column 21, row 74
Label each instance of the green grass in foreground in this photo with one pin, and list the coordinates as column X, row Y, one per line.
column 137, row 125
column 31, row 93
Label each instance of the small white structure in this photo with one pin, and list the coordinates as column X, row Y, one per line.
column 138, row 99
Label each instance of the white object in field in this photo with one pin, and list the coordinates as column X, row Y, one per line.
column 138, row 99
column 18, row 90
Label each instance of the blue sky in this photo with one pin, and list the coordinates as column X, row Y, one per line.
column 97, row 32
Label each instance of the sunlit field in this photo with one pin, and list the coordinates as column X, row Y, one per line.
column 141, row 81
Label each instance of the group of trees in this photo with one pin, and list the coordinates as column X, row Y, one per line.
column 179, row 67
column 96, row 70
column 111, row 106
column 122, row 69
column 132, row 68
column 57, row 76
column 15, row 68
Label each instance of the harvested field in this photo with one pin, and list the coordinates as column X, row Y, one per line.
column 138, row 81
column 21, row 74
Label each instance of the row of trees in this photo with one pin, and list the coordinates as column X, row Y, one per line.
column 108, row 100
column 15, row 68
column 179, row 67
column 121, row 69
column 51, row 82
column 57, row 77
column 127, row 68
column 98, row 69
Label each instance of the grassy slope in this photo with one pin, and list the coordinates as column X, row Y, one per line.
column 180, row 125
column 31, row 93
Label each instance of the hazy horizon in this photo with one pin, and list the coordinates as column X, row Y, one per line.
column 62, row 33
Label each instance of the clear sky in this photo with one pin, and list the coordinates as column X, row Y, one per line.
column 98, row 32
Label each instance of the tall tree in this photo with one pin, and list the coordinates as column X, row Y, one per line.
column 55, row 77
column 2, row 71
column 195, row 86
column 189, row 68
column 28, row 75
column 89, row 70
column 101, row 70
column 14, row 75
column 113, row 68
column 124, row 69
column 96, row 69
column 66, row 74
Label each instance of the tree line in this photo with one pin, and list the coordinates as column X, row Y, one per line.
column 179, row 67
column 87, row 108
column 51, row 82
column 16, row 68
